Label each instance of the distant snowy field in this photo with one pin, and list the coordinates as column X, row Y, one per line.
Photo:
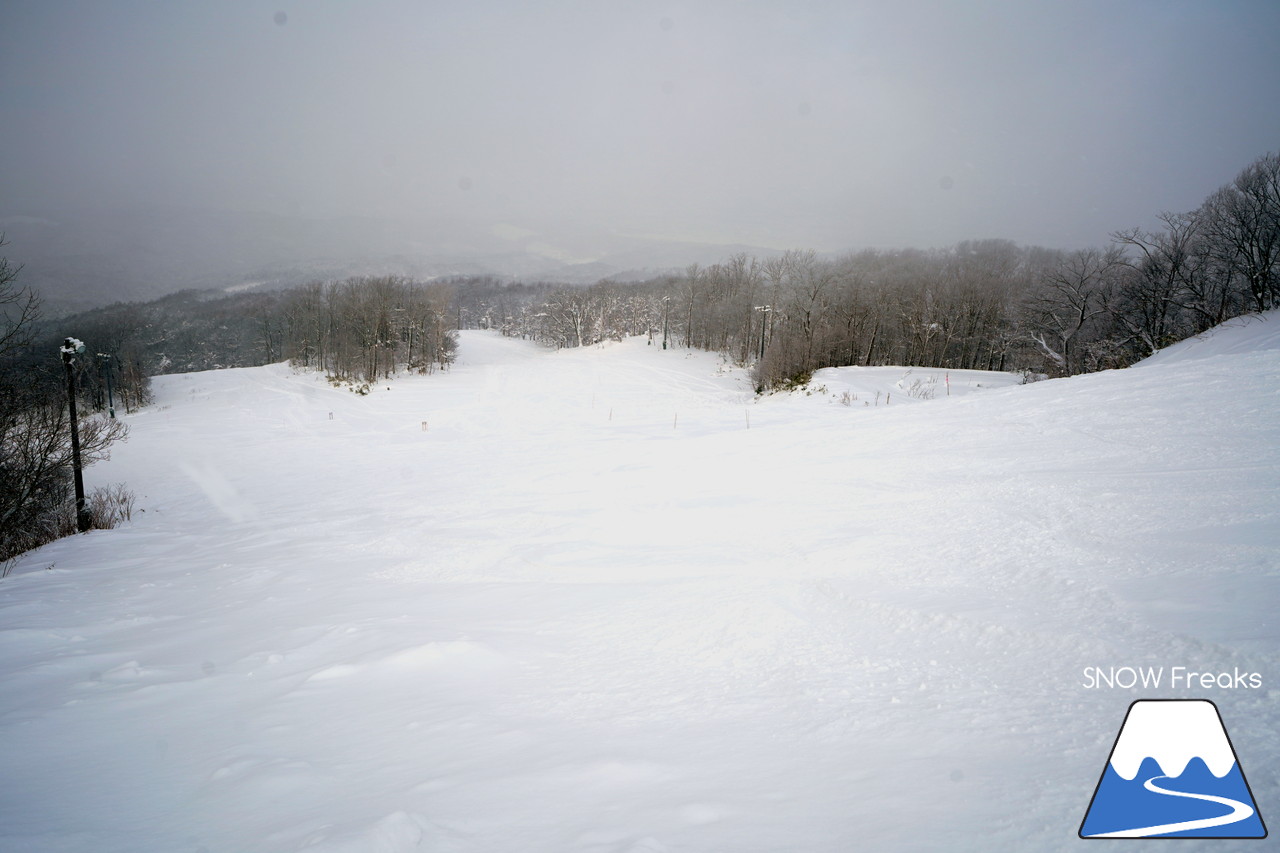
column 607, row 601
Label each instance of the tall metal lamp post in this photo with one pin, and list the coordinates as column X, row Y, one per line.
column 764, row 313
column 70, row 349
column 105, row 360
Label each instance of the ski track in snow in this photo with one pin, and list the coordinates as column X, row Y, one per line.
column 608, row 601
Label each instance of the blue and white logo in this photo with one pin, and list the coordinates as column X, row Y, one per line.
column 1172, row 774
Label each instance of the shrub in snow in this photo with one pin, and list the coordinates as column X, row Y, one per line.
column 110, row 506
column 36, row 505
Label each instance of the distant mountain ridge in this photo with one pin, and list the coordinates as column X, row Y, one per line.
column 83, row 259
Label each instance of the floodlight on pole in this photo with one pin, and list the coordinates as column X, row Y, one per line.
column 104, row 359
column 666, row 318
column 71, row 347
column 764, row 313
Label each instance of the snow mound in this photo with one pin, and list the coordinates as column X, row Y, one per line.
column 1239, row 336
column 862, row 387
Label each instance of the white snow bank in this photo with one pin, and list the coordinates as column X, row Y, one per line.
column 1252, row 333
column 869, row 387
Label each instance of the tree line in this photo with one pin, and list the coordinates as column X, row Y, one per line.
column 365, row 329
column 358, row 331
column 986, row 304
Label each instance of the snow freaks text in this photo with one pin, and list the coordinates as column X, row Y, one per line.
column 1174, row 677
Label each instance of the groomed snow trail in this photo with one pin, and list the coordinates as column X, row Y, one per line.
column 571, row 602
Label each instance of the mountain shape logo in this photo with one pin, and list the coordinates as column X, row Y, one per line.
column 1172, row 773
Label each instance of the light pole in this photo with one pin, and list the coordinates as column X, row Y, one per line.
column 406, row 327
column 104, row 360
column 764, row 313
column 70, row 349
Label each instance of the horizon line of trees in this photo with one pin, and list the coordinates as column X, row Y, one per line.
column 987, row 304
column 357, row 330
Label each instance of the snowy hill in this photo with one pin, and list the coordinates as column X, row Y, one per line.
column 607, row 600
column 1252, row 333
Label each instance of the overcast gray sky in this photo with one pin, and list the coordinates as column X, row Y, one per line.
column 825, row 124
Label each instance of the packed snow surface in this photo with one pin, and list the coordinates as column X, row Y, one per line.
column 608, row 601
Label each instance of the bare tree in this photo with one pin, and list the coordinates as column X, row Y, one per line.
column 1165, row 267
column 982, row 277
column 35, row 470
column 1241, row 222
column 19, row 309
column 691, row 291
column 1069, row 297
column 567, row 318
column 850, row 309
column 811, row 280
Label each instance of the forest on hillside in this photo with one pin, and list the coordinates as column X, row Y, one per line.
column 988, row 304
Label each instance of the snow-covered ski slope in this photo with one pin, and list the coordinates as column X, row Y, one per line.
column 607, row 601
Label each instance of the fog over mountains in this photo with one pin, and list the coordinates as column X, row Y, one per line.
column 151, row 147
column 80, row 259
